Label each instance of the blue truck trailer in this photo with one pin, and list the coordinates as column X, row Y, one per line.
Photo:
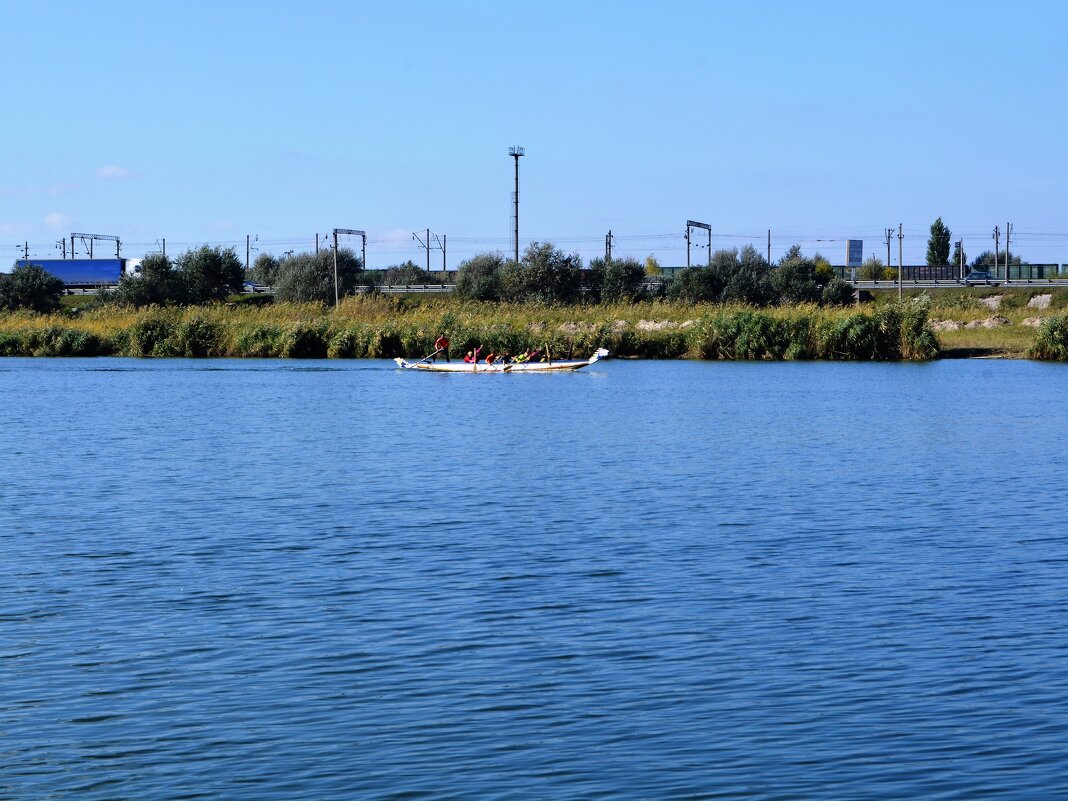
column 86, row 273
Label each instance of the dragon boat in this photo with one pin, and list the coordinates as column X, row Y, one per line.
column 521, row 367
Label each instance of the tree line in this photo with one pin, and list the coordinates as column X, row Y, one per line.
column 544, row 274
column 938, row 251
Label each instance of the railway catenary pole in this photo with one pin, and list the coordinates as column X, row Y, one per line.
column 1008, row 261
column 900, row 263
column 337, row 299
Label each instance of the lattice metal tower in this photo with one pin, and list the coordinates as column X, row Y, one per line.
column 516, row 153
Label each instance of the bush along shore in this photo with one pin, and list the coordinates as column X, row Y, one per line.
column 385, row 327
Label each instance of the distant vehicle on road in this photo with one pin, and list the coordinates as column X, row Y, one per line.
column 978, row 277
column 86, row 273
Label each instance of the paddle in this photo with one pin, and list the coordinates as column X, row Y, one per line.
column 431, row 356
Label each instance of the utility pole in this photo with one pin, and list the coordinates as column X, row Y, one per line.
column 888, row 233
column 444, row 263
column 900, row 262
column 608, row 247
column 428, row 250
column 26, row 251
column 164, row 247
column 63, row 244
column 337, row 298
column 997, row 247
column 1008, row 261
column 769, row 246
column 317, row 243
column 516, row 153
column 248, row 248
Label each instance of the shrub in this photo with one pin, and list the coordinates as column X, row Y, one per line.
column 409, row 273
column 10, row 343
column 695, row 285
column 208, row 273
column 309, row 277
column 544, row 275
column 794, row 281
column 264, row 269
column 260, row 299
column 1051, row 341
column 30, row 287
column 59, row 341
column 837, row 293
column 622, row 280
column 157, row 285
column 304, row 341
column 197, row 276
column 872, row 269
column 479, row 278
column 343, row 344
column 149, row 336
column 198, row 337
column 261, row 341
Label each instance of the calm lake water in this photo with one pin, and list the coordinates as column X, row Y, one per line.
column 647, row 580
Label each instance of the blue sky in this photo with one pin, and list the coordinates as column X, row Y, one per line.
column 204, row 122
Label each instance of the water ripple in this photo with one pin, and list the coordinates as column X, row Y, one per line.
column 676, row 581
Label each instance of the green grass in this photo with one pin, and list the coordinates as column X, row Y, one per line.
column 376, row 327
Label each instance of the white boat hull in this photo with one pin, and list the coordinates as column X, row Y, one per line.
column 523, row 367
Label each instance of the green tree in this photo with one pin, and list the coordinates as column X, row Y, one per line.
column 837, row 293
column 210, row 273
column 479, row 278
column 30, row 287
column 264, row 269
column 545, row 274
column 696, row 285
column 409, row 273
column 158, row 284
column 797, row 279
column 872, row 269
column 742, row 276
column 938, row 244
column 959, row 256
column 622, row 280
column 652, row 266
column 985, row 260
column 309, row 277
